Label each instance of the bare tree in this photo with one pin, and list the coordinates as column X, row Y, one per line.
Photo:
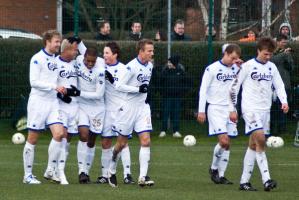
column 224, row 19
column 266, row 16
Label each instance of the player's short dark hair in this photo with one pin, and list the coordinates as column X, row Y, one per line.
column 135, row 22
column 266, row 43
column 49, row 34
column 114, row 48
column 141, row 44
column 281, row 37
column 91, row 51
column 102, row 23
column 179, row 21
column 233, row 48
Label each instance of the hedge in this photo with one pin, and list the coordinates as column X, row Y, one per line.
column 16, row 53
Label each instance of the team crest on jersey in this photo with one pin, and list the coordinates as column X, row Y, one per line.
column 67, row 74
column 225, row 77
column 101, row 75
column 52, row 66
column 143, row 77
column 261, row 77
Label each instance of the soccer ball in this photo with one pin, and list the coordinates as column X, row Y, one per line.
column 269, row 141
column 277, row 142
column 18, row 138
column 189, row 140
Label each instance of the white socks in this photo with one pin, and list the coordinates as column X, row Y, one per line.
column 81, row 156
column 113, row 163
column 105, row 160
column 28, row 157
column 218, row 150
column 54, row 152
column 126, row 160
column 144, row 158
column 248, row 165
column 262, row 162
column 223, row 162
column 62, row 156
column 89, row 158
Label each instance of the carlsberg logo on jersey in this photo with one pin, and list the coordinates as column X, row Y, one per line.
column 85, row 77
column 143, row 78
column 67, row 74
column 261, row 77
column 52, row 66
column 225, row 77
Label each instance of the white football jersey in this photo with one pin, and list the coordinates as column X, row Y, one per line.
column 134, row 75
column 215, row 84
column 91, row 82
column 67, row 74
column 113, row 98
column 257, row 79
column 43, row 75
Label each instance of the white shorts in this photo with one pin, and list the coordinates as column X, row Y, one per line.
column 133, row 117
column 70, row 116
column 108, row 121
column 256, row 121
column 42, row 112
column 92, row 117
column 219, row 122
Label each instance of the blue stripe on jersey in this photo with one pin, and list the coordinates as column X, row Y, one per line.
column 144, row 131
column 259, row 61
column 249, row 133
column 33, row 129
column 54, row 123
column 144, row 64
column 43, row 49
column 113, row 64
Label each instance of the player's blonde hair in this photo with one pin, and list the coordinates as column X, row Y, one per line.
column 49, row 34
column 65, row 44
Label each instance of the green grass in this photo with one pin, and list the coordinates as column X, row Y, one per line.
column 179, row 172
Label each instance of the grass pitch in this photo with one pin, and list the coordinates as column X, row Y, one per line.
column 179, row 172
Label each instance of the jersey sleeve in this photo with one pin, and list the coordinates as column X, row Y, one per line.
column 279, row 87
column 35, row 81
column 100, row 88
column 121, row 83
column 205, row 83
column 235, row 88
column 82, row 48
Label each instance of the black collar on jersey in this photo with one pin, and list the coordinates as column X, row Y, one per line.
column 43, row 49
column 144, row 64
column 259, row 61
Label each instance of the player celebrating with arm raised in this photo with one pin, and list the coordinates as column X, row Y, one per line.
column 90, row 92
column 257, row 77
column 113, row 100
column 134, row 114
column 214, row 91
column 43, row 106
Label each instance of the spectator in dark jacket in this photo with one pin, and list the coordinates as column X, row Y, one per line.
column 104, row 31
column 283, row 60
column 179, row 32
column 172, row 89
column 135, row 33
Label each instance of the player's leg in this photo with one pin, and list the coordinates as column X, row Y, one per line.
column 105, row 158
column 28, row 157
column 90, row 151
column 82, row 153
column 62, row 159
column 126, row 161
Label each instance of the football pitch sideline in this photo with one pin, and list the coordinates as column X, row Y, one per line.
column 179, row 172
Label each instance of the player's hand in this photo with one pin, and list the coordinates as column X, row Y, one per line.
column 61, row 89
column 64, row 98
column 285, row 107
column 239, row 62
column 143, row 88
column 109, row 77
column 74, row 39
column 73, row 91
column 233, row 116
column 201, row 117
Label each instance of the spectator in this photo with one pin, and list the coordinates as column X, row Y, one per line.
column 160, row 36
column 179, row 32
column 136, row 33
column 286, row 29
column 104, row 31
column 249, row 38
column 172, row 90
column 282, row 58
column 213, row 33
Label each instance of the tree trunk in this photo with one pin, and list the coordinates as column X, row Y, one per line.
column 224, row 19
column 266, row 17
column 86, row 16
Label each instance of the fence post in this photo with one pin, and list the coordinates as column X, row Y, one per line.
column 210, row 41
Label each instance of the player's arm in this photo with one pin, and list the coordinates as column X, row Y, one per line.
column 121, row 81
column 35, row 81
column 205, row 84
column 234, row 91
column 81, row 47
column 280, row 91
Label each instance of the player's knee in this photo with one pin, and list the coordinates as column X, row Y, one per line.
column 90, row 144
column 145, row 142
column 260, row 139
column 106, row 143
column 224, row 142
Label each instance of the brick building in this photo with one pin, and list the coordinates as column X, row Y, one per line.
column 30, row 15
